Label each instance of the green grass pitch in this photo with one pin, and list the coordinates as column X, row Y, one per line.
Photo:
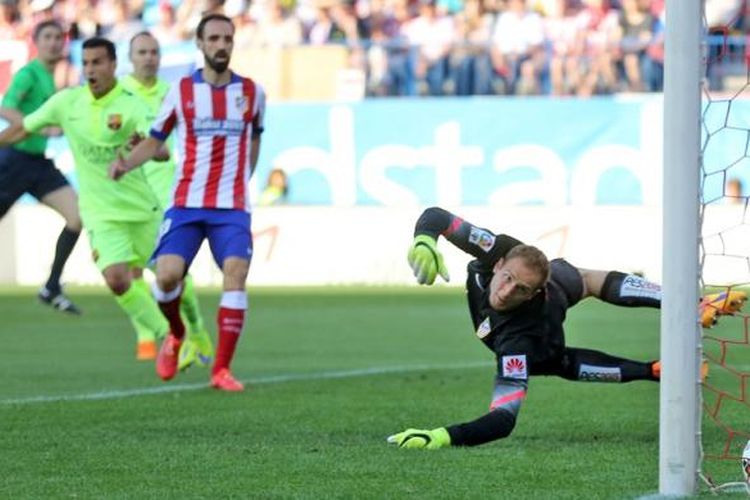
column 332, row 372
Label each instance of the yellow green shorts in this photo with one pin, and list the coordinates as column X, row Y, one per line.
column 116, row 242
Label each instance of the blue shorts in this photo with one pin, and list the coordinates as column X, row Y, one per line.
column 184, row 229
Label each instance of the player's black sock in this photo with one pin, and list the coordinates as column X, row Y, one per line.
column 594, row 366
column 630, row 290
column 65, row 243
column 497, row 424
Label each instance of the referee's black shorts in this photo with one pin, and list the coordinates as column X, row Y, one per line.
column 22, row 172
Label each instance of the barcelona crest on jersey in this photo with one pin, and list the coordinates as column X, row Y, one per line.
column 114, row 121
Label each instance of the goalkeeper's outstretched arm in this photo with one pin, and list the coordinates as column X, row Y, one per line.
column 476, row 241
column 497, row 424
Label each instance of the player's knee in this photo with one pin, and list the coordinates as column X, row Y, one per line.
column 117, row 282
column 593, row 280
column 169, row 273
column 167, row 280
column 73, row 223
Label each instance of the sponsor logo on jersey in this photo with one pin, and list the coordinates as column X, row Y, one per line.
column 114, row 121
column 515, row 366
column 94, row 153
column 635, row 286
column 484, row 328
column 481, row 238
column 211, row 126
column 591, row 373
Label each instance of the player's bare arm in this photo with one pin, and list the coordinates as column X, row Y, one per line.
column 162, row 154
column 254, row 153
column 13, row 134
column 11, row 115
column 147, row 149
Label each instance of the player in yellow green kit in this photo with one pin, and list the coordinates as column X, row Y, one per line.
column 100, row 121
column 144, row 83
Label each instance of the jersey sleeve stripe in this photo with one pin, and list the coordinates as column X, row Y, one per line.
column 156, row 134
column 187, row 103
column 455, row 225
column 165, row 120
column 167, row 128
column 507, row 398
column 218, row 143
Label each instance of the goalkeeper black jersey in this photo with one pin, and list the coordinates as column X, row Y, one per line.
column 535, row 328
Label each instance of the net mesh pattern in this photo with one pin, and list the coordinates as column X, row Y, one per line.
column 725, row 249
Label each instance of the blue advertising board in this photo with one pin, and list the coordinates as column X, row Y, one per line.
column 486, row 151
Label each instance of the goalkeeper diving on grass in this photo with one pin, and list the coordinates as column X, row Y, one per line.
column 518, row 301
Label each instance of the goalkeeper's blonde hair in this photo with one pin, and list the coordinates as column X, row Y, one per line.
column 533, row 258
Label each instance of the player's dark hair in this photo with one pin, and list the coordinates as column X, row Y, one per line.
column 96, row 41
column 43, row 26
column 139, row 34
column 533, row 258
column 211, row 17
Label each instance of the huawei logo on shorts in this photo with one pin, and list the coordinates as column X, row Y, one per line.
column 515, row 366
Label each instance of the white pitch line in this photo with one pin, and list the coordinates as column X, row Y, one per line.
column 270, row 379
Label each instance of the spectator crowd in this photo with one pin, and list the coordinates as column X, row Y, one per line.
column 417, row 47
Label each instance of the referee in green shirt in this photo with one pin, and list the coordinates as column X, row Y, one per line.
column 25, row 169
column 101, row 120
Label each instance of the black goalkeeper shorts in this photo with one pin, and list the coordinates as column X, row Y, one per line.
column 22, row 172
column 567, row 279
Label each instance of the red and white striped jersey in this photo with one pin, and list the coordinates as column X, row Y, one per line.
column 214, row 130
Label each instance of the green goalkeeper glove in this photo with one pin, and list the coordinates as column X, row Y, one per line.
column 422, row 439
column 426, row 260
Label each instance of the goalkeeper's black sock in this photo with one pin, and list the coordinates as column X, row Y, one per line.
column 497, row 424
column 65, row 243
column 630, row 290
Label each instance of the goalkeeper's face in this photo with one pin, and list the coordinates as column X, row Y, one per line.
column 513, row 283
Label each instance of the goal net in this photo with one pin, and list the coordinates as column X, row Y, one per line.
column 725, row 242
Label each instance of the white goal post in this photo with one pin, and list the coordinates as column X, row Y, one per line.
column 679, row 416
